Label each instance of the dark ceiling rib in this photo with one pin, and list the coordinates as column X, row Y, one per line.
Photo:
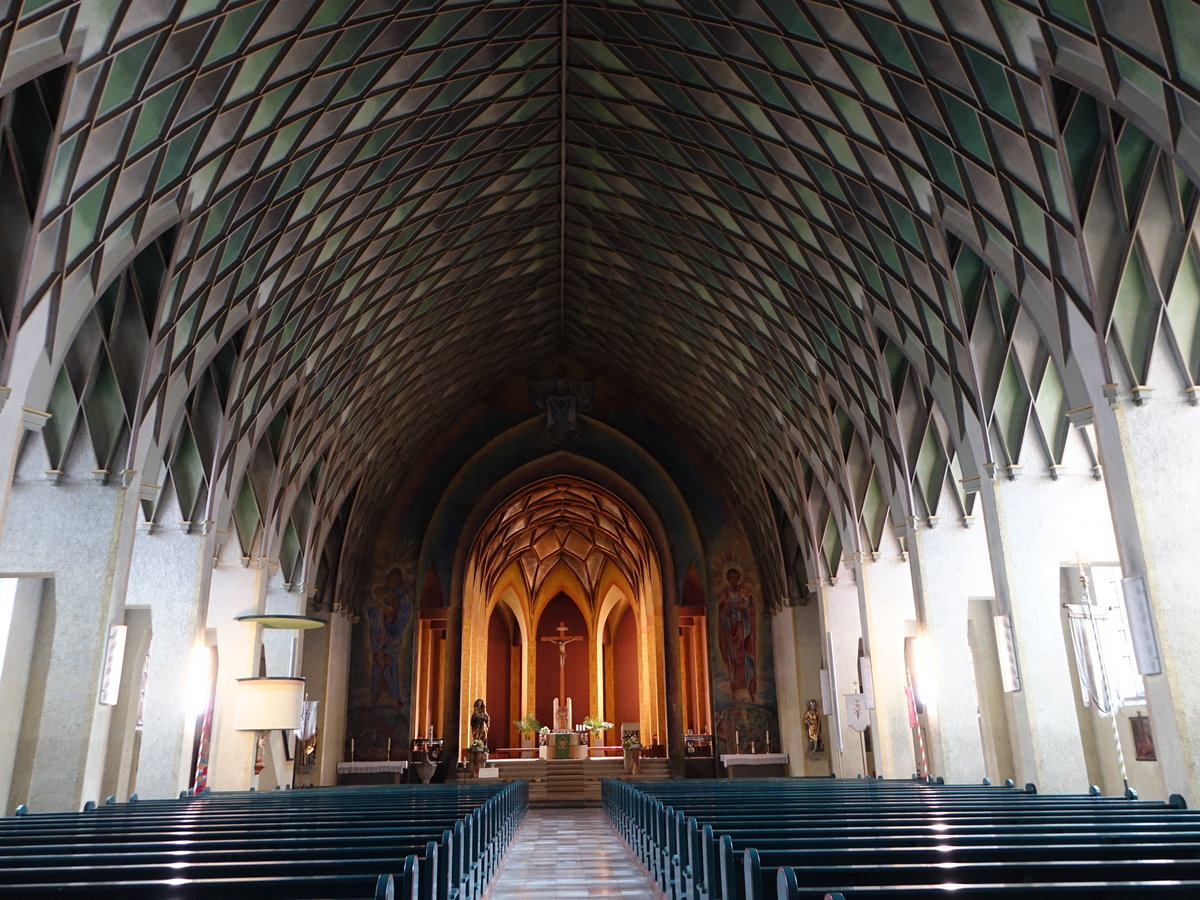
column 562, row 181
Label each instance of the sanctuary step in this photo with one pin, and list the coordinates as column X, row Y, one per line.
column 570, row 782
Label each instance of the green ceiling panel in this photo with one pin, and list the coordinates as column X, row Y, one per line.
column 760, row 192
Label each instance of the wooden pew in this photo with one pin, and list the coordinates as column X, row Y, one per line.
column 439, row 843
column 796, row 835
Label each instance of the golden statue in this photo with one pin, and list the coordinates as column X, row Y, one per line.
column 812, row 725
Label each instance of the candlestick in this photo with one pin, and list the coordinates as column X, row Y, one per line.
column 389, row 750
column 737, row 742
column 768, row 740
column 351, row 749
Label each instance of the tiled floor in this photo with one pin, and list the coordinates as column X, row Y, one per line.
column 564, row 853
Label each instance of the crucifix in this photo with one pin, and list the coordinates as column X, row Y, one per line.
column 562, row 640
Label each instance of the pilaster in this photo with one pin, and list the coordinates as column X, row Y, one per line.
column 886, row 600
column 1035, row 527
column 1148, row 451
column 236, row 590
column 170, row 577
column 949, row 564
column 76, row 532
column 840, row 614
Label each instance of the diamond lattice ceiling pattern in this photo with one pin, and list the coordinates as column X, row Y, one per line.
column 836, row 244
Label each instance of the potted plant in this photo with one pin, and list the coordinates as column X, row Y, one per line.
column 631, row 747
column 527, row 727
column 596, row 726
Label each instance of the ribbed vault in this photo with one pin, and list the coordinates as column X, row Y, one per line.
column 563, row 521
column 841, row 246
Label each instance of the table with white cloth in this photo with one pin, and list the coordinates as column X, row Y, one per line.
column 755, row 765
column 372, row 771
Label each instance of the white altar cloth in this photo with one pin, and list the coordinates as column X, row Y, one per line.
column 368, row 766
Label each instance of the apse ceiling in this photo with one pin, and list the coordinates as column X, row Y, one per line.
column 759, row 217
column 563, row 522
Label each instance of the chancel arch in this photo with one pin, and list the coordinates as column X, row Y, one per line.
column 578, row 569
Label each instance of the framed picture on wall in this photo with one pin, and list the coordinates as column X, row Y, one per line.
column 1143, row 738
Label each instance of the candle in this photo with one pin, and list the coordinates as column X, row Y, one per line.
column 737, row 741
column 768, row 740
column 351, row 749
column 389, row 750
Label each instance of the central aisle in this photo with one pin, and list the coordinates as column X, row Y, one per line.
column 565, row 853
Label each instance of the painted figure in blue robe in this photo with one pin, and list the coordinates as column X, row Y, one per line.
column 386, row 620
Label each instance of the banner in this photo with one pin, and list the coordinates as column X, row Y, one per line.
column 857, row 714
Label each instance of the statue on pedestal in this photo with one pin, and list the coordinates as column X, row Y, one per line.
column 479, row 724
column 812, row 726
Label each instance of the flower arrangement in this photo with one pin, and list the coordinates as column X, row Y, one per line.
column 478, row 745
column 631, row 741
column 594, row 723
column 528, row 725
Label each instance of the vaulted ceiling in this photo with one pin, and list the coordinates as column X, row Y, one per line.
column 840, row 248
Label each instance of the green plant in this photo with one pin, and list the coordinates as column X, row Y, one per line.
column 528, row 725
column 478, row 745
column 592, row 723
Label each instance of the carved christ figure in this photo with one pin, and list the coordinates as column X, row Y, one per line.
column 562, row 640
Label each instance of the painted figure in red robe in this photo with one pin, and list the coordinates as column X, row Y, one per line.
column 736, row 618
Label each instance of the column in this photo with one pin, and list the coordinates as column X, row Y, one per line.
column 1148, row 450
column 949, row 564
column 78, row 532
column 236, row 590
column 840, row 614
column 808, row 637
column 332, row 713
column 886, row 605
column 169, row 577
column 20, row 617
column 1036, row 525
column 791, row 739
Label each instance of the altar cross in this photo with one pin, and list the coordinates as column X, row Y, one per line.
column 562, row 640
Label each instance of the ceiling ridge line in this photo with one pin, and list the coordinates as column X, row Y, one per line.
column 562, row 181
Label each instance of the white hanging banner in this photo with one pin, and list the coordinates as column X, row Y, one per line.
column 114, row 661
column 308, row 720
column 868, row 683
column 1141, row 625
column 832, row 709
column 826, row 695
column 1010, row 675
column 857, row 714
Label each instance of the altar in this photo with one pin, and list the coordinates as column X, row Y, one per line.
column 390, row 771
column 564, row 745
column 755, row 765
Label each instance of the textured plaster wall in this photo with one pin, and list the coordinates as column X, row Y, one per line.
column 74, row 532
